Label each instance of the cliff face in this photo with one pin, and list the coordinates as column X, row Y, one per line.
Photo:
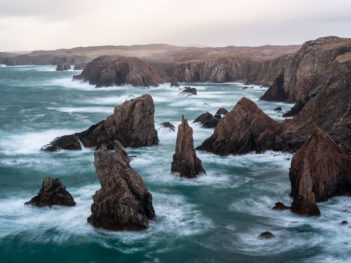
column 292, row 84
column 132, row 123
column 117, row 70
column 45, row 59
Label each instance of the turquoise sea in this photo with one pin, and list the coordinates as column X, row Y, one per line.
column 214, row 218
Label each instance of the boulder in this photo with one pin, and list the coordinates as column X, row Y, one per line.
column 107, row 71
column 278, row 109
column 246, row 128
column 52, row 192
column 123, row 201
column 207, row 120
column 280, row 206
column 266, row 235
column 132, row 123
column 220, row 113
column 62, row 67
column 168, row 125
column 319, row 171
column 185, row 160
column 190, row 90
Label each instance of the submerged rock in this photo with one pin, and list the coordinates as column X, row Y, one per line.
column 123, row 202
column 207, row 120
column 52, row 192
column 174, row 83
column 278, row 109
column 132, row 123
column 319, row 171
column 117, row 70
column 220, row 113
column 185, row 160
column 62, row 67
column 168, row 125
column 246, row 128
column 266, row 235
column 190, row 90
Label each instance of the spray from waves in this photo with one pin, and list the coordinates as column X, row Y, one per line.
column 28, row 142
column 83, row 109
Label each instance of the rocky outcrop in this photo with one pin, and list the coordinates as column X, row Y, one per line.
column 132, row 123
column 280, row 206
column 185, row 160
column 207, row 120
column 246, row 128
column 52, row 192
column 291, row 85
column 62, row 67
column 123, row 202
column 266, row 235
column 43, row 59
column 220, row 113
column 168, row 125
column 117, row 70
column 190, row 90
column 319, row 170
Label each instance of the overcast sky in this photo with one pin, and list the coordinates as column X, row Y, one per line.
column 48, row 24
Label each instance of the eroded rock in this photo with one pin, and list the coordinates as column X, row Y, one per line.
column 207, row 120
column 190, row 90
column 123, row 202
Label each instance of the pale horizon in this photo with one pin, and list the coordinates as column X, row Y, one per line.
column 27, row 25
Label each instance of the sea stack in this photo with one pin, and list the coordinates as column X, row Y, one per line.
column 52, row 192
column 319, row 171
column 244, row 129
column 185, row 160
column 123, row 202
column 132, row 123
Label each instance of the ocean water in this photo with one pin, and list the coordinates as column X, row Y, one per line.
column 214, row 218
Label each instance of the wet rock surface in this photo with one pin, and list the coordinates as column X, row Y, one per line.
column 132, row 123
column 266, row 235
column 207, row 120
column 185, row 160
column 52, row 192
column 190, row 90
column 123, row 202
column 168, row 125
column 63, row 67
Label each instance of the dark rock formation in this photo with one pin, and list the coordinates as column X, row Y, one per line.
column 266, row 235
column 123, row 202
column 117, row 70
column 278, row 109
column 207, row 120
column 344, row 222
column 319, row 170
column 280, row 206
column 168, row 125
column 43, row 59
column 52, row 192
column 185, row 160
column 132, row 123
column 190, row 90
column 174, row 83
column 221, row 112
column 246, row 128
column 62, row 67
column 79, row 66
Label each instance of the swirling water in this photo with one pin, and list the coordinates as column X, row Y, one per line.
column 214, row 218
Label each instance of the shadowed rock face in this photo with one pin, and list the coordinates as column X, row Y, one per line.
column 246, row 128
column 123, row 202
column 168, row 125
column 319, row 170
column 132, row 124
column 117, row 70
column 190, row 90
column 62, row 67
column 52, row 192
column 221, row 112
column 185, row 160
column 207, row 120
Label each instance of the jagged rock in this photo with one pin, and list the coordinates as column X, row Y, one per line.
column 278, row 109
column 117, row 70
column 62, row 67
column 123, row 202
column 246, row 128
column 221, row 112
column 266, row 235
column 207, row 120
column 52, row 192
column 174, row 83
column 280, row 206
column 168, row 125
column 319, row 170
column 185, row 160
column 190, row 90
column 132, row 123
